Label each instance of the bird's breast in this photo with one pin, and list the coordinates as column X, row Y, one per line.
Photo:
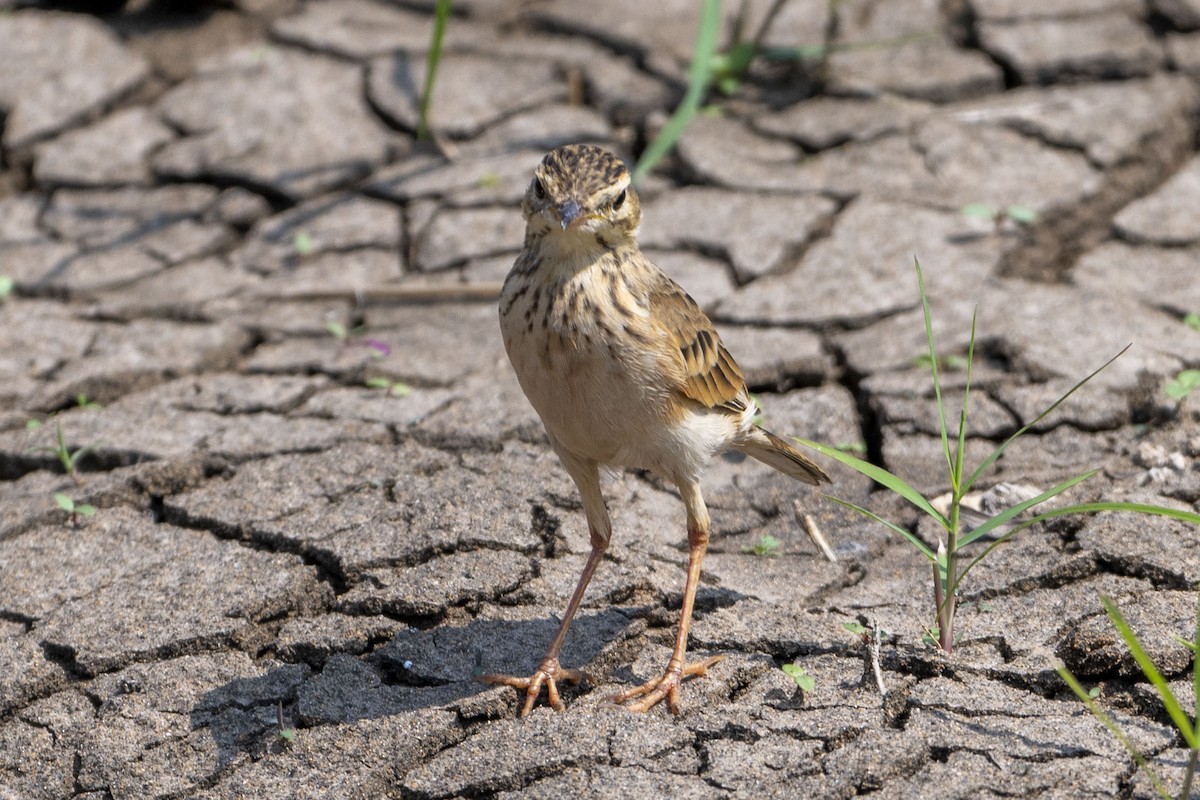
column 576, row 347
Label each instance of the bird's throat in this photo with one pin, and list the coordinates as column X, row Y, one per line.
column 574, row 250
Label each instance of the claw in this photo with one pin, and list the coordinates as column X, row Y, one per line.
column 666, row 685
column 548, row 674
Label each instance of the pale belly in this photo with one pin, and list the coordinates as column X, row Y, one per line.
column 589, row 401
column 612, row 410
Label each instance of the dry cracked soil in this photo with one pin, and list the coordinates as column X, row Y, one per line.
column 219, row 229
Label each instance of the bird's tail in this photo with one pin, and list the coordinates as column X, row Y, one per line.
column 775, row 452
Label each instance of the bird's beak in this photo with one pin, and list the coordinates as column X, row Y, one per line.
column 568, row 212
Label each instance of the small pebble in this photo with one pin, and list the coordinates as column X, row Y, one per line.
column 1156, row 475
column 1149, row 455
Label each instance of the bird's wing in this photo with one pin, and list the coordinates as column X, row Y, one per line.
column 698, row 361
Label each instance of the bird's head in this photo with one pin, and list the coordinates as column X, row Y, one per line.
column 582, row 192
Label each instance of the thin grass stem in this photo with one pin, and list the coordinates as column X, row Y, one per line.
column 440, row 14
column 937, row 381
column 1150, row 670
column 1115, row 729
column 991, row 459
column 699, row 79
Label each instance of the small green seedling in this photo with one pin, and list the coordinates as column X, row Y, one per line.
column 799, row 674
column 767, row 546
column 74, row 510
column 491, row 180
column 285, row 736
column 390, row 386
column 949, row 363
column 7, row 285
column 83, row 401
column 1183, row 384
column 303, row 243
column 66, row 456
column 1192, row 320
column 337, row 330
column 729, row 68
column 1018, row 214
column 858, row 629
column 355, row 338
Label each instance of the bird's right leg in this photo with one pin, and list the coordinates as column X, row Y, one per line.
column 586, row 475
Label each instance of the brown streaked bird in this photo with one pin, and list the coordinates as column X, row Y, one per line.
column 625, row 370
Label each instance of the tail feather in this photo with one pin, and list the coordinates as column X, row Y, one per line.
column 775, row 452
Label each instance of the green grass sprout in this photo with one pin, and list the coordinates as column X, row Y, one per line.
column 303, row 243
column 1015, row 213
column 390, row 386
column 441, row 13
column 799, row 674
column 947, row 557
column 66, row 456
column 1186, row 726
column 699, row 80
column 767, row 546
column 74, row 510
column 284, row 735
column 1183, row 384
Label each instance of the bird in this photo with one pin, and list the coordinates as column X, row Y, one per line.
column 626, row 371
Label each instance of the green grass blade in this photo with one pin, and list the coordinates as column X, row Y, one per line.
column 1007, row 514
column 1084, row 508
column 937, row 380
column 880, row 476
column 907, row 534
column 1089, row 508
column 441, row 13
column 1114, row 728
column 1170, row 703
column 699, row 79
column 1136, row 508
column 991, row 459
column 960, row 451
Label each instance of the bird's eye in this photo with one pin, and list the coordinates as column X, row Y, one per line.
column 539, row 191
column 619, row 200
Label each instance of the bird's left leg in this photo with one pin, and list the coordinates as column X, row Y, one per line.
column 550, row 673
column 667, row 684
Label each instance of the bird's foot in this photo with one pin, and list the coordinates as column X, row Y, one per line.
column 549, row 674
column 666, row 685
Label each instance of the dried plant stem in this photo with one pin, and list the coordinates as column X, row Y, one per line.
column 873, row 649
column 449, row 293
column 814, row 533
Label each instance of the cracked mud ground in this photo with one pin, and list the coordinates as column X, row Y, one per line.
column 188, row 199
